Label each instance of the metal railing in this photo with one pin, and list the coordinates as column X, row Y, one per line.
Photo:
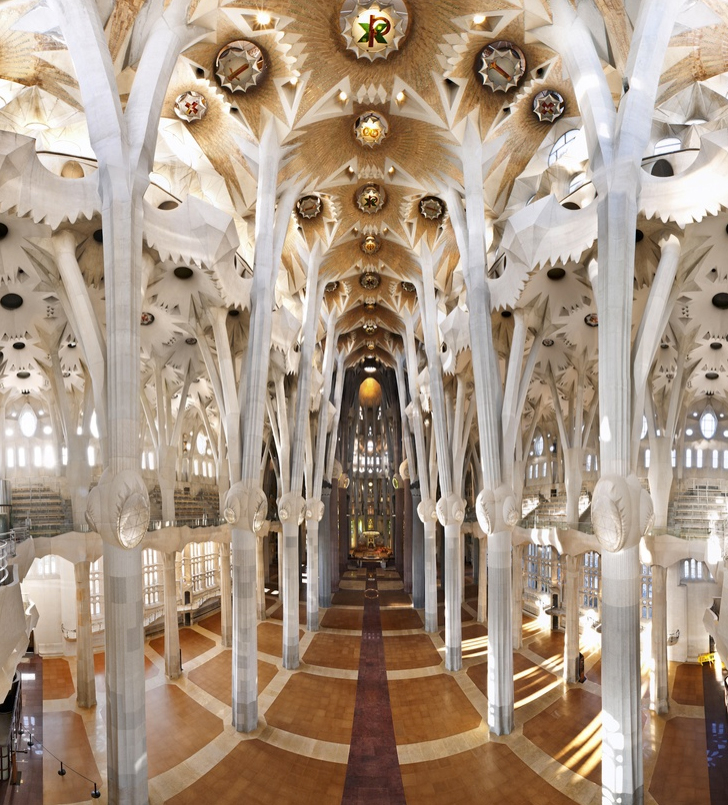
column 718, row 528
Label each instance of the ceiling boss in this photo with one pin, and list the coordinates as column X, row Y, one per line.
column 373, row 30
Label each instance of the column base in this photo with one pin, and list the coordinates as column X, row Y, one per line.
column 312, row 621
column 500, row 719
column 290, row 657
column 245, row 716
column 430, row 622
column 453, row 658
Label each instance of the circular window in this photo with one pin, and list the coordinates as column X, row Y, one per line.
column 708, row 423
column 538, row 444
column 11, row 301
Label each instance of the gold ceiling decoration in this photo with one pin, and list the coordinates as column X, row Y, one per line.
column 408, row 286
column 371, row 244
column 370, row 392
column 370, row 198
column 373, row 30
column 190, row 106
column 371, row 128
column 548, row 105
column 369, row 280
column 308, row 206
column 332, row 286
column 240, row 65
column 502, row 65
column 432, row 208
column 370, row 327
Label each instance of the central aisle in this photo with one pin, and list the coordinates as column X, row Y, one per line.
column 372, row 774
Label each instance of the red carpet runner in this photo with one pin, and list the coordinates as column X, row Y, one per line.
column 372, row 775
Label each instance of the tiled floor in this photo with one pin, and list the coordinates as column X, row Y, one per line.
column 446, row 755
column 57, row 680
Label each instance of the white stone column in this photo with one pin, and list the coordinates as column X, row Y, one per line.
column 659, row 688
column 429, row 530
column 407, row 538
column 291, row 511
column 172, row 661
column 418, row 552
column 126, row 733
column 517, row 597
column 226, row 596
column 450, row 513
column 500, row 637
column 482, row 577
column 245, row 630
column 314, row 514
column 324, row 550
column 622, row 774
column 85, row 678
column 260, row 571
column 571, row 603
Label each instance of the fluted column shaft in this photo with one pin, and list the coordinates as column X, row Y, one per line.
column 659, row 692
column 226, row 596
column 500, row 637
column 172, row 662
column 85, row 676
column 571, row 604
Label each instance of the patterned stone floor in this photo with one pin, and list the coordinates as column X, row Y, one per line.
column 299, row 752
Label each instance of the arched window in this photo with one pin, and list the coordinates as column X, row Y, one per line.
column 662, row 168
column 708, row 423
column 644, row 427
column 562, row 145
column 28, row 421
column 667, row 145
column 538, row 444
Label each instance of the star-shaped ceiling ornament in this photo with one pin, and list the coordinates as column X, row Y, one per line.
column 240, row 65
column 502, row 65
column 373, row 30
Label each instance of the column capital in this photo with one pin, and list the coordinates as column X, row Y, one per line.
column 246, row 507
column 427, row 510
column 291, row 508
column 497, row 510
column 622, row 512
column 118, row 508
column 451, row 510
column 314, row 510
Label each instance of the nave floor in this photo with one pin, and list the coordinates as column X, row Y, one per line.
column 300, row 751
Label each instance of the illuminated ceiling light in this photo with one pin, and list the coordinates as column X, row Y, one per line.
column 332, row 286
column 373, row 30
column 391, row 170
column 502, row 65
column 240, row 65
column 263, row 18
column 293, row 80
column 371, row 244
column 370, row 370
column 400, row 97
column 343, row 97
column 190, row 106
column 478, row 19
column 371, row 128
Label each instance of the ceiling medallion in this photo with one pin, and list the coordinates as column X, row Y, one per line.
column 370, row 327
column 409, row 287
column 371, row 244
column 332, row 286
column 240, row 65
column 591, row 320
column 308, row 206
column 548, row 342
column 548, row 105
column 147, row 319
column 369, row 281
column 371, row 346
column 371, row 128
column 190, row 106
column 373, row 30
column 503, row 65
column 370, row 198
column 191, row 341
column 432, row 208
